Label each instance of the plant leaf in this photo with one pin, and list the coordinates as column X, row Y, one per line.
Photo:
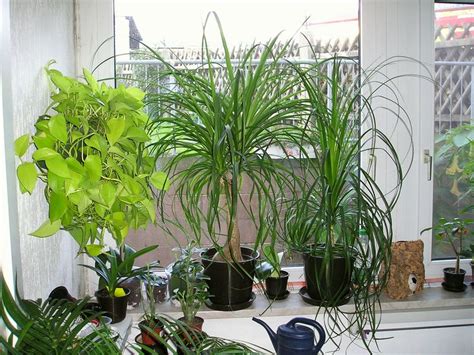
column 47, row 229
column 107, row 191
column 57, row 127
column 44, row 154
column 94, row 249
column 58, row 166
column 27, row 176
column 115, row 129
column 21, row 145
column 93, row 164
column 57, row 205
column 160, row 180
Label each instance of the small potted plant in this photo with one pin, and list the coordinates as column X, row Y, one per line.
column 453, row 232
column 150, row 325
column 276, row 279
column 113, row 270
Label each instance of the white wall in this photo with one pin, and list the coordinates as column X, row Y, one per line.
column 69, row 32
column 40, row 31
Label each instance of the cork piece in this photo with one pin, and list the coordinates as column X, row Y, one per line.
column 407, row 271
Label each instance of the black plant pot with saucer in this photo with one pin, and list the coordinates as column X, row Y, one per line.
column 454, row 281
column 230, row 285
column 276, row 287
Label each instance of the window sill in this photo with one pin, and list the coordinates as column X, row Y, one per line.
column 430, row 298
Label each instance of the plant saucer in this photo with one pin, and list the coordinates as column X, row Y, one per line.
column 305, row 296
column 230, row 307
column 279, row 297
column 447, row 288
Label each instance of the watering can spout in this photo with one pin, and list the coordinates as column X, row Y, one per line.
column 270, row 332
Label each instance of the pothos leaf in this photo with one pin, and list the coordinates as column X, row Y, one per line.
column 21, row 145
column 47, row 229
column 160, row 180
column 27, row 176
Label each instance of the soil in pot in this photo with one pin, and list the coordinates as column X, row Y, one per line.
column 330, row 288
column 157, row 348
column 116, row 307
column 230, row 284
column 276, row 286
column 454, row 281
column 149, row 331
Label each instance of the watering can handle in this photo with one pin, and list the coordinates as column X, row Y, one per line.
column 313, row 323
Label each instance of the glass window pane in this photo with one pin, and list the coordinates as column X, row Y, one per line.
column 454, row 116
column 175, row 28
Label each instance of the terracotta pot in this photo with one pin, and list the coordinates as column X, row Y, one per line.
column 148, row 337
column 157, row 348
column 195, row 324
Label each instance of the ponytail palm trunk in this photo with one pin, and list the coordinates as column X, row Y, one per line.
column 216, row 127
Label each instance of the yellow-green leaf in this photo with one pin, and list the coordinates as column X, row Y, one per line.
column 21, row 145
column 45, row 154
column 94, row 249
column 160, row 180
column 115, row 129
column 58, row 166
column 150, row 207
column 47, row 229
column 57, row 205
column 90, row 79
column 93, row 164
column 107, row 192
column 27, row 176
column 57, row 127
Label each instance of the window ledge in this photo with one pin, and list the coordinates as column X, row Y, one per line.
column 429, row 298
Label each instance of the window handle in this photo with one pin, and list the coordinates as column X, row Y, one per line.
column 428, row 159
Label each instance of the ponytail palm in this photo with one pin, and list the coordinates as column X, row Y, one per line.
column 341, row 195
column 217, row 130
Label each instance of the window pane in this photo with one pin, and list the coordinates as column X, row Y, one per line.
column 454, row 115
column 174, row 29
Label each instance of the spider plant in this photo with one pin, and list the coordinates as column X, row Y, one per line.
column 222, row 129
column 341, row 195
column 50, row 327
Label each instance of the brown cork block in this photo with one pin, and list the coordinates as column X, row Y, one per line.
column 407, row 271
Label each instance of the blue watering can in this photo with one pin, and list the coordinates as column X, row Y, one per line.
column 295, row 339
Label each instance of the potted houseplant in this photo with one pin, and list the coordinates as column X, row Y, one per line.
column 453, row 232
column 51, row 327
column 150, row 325
column 89, row 154
column 213, row 134
column 113, row 270
column 340, row 195
column 192, row 290
column 276, row 279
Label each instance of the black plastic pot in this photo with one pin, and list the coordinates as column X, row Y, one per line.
column 116, row 307
column 328, row 282
column 230, row 284
column 276, row 286
column 472, row 273
column 134, row 285
column 454, row 281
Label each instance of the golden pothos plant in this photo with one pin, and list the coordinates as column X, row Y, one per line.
column 89, row 151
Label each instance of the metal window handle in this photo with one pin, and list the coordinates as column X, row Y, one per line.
column 428, row 159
